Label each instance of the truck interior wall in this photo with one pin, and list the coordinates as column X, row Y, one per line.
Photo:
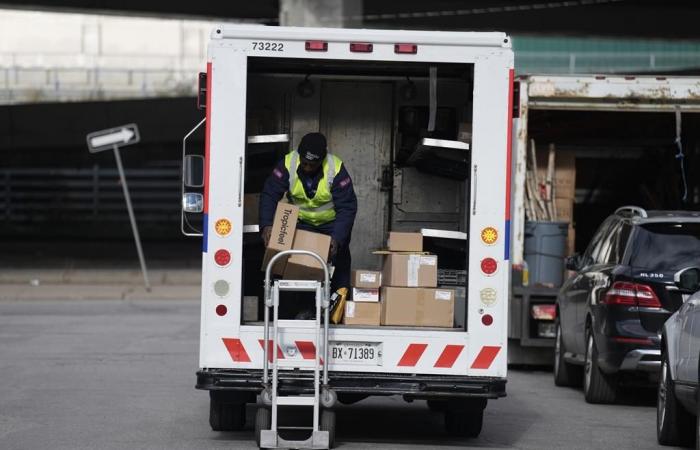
column 371, row 118
column 622, row 158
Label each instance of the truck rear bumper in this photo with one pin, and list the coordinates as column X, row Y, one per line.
column 411, row 386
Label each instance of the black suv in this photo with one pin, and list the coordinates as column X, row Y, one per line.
column 610, row 313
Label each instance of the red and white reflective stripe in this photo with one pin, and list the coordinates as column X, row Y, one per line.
column 485, row 357
column 448, row 356
column 280, row 354
column 412, row 355
column 307, row 349
column 236, row 350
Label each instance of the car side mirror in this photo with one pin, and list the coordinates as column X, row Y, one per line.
column 573, row 262
column 688, row 279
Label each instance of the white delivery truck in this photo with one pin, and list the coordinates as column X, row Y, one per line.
column 422, row 121
column 621, row 136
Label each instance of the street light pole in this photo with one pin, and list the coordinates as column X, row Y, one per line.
column 132, row 219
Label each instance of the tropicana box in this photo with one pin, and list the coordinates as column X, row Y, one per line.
column 422, row 307
column 283, row 227
column 304, row 267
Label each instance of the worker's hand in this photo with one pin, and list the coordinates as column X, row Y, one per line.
column 266, row 233
column 334, row 248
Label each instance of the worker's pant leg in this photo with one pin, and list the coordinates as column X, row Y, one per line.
column 342, row 263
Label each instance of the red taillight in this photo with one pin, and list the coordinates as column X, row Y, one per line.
column 489, row 266
column 487, row 319
column 544, row 312
column 316, row 46
column 361, row 47
column 631, row 294
column 406, row 48
column 222, row 257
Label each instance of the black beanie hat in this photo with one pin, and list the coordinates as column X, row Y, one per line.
column 313, row 147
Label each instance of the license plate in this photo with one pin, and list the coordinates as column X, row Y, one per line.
column 365, row 353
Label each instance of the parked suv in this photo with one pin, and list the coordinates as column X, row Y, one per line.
column 611, row 311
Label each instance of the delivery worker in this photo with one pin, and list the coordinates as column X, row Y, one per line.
column 318, row 183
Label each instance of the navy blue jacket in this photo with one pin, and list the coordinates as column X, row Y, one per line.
column 343, row 193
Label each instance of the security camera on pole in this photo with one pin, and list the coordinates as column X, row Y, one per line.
column 114, row 138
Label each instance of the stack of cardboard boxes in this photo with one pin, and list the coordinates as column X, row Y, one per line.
column 408, row 294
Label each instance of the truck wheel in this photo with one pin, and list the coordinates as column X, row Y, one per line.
column 328, row 424
column 263, row 421
column 598, row 387
column 674, row 425
column 225, row 413
column 464, row 417
column 437, row 405
column 466, row 424
column 565, row 373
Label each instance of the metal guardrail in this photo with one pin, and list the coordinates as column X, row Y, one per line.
column 529, row 62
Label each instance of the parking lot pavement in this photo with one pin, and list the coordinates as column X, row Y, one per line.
column 120, row 375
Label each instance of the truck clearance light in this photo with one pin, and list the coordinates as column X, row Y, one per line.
column 489, row 235
column 221, row 288
column 221, row 310
column 411, row 49
column 489, row 266
column 488, row 296
column 222, row 257
column 316, row 46
column 487, row 319
column 361, row 47
column 625, row 293
column 543, row 312
column 222, row 227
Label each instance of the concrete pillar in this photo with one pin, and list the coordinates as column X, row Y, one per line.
column 321, row 13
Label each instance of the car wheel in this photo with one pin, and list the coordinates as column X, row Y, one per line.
column 565, row 373
column 674, row 425
column 598, row 387
column 224, row 414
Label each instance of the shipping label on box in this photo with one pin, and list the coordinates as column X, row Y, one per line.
column 304, row 267
column 406, row 270
column 282, row 238
column 365, row 295
column 366, row 279
column 405, row 242
column 362, row 313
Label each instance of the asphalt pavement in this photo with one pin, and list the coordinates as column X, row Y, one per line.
column 120, row 374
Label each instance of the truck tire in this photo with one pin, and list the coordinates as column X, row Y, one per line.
column 464, row 417
column 674, row 425
column 263, row 421
column 598, row 387
column 226, row 413
column 565, row 373
column 327, row 423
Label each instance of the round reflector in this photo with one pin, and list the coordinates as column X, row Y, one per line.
column 222, row 257
column 222, row 227
column 488, row 296
column 221, row 310
column 487, row 319
column 221, row 288
column 489, row 235
column 489, row 266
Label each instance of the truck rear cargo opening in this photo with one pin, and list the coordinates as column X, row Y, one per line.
column 422, row 122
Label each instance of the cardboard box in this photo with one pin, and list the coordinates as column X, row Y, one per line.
column 564, row 171
column 366, row 279
column 405, row 242
column 565, row 209
column 365, row 295
column 406, row 270
column 251, row 205
column 417, row 307
column 283, row 229
column 303, row 267
column 362, row 313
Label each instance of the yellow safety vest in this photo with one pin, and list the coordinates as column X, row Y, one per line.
column 320, row 209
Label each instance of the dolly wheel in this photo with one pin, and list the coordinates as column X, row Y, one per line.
column 328, row 424
column 263, row 421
